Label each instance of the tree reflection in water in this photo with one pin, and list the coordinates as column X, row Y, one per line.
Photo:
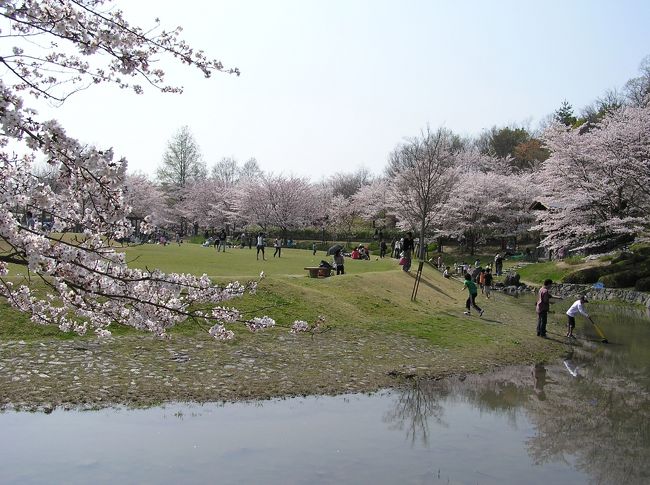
column 413, row 408
column 593, row 411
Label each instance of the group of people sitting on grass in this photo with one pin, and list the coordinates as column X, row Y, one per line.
column 360, row 252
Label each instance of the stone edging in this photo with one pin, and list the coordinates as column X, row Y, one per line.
column 565, row 290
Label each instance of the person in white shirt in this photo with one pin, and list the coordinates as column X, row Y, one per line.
column 260, row 245
column 577, row 307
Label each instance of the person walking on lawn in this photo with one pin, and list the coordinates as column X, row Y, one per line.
column 277, row 244
column 260, row 245
column 473, row 293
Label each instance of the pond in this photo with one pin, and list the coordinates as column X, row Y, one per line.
column 585, row 419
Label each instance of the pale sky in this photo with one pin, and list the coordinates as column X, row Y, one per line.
column 333, row 86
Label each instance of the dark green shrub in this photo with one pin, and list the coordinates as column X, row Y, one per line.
column 584, row 276
column 628, row 258
column 642, row 284
column 624, row 279
column 642, row 251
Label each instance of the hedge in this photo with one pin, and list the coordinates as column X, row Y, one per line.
column 623, row 279
column 642, row 284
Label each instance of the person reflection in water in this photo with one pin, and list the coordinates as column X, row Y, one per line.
column 571, row 365
column 539, row 379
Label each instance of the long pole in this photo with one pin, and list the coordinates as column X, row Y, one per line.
column 418, row 277
column 599, row 331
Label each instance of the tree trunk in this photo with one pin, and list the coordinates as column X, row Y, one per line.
column 423, row 244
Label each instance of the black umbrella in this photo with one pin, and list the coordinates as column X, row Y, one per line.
column 334, row 249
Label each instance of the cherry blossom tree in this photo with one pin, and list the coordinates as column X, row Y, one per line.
column 422, row 173
column 50, row 49
column 488, row 205
column 279, row 201
column 347, row 184
column 596, row 184
column 145, row 199
column 343, row 214
column 372, row 201
column 209, row 203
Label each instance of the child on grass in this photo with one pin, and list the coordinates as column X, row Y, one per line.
column 473, row 293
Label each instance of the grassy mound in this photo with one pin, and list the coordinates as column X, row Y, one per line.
column 622, row 272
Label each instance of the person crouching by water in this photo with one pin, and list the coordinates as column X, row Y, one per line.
column 339, row 261
column 577, row 307
column 473, row 293
column 543, row 306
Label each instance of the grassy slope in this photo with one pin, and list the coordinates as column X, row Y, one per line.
column 373, row 296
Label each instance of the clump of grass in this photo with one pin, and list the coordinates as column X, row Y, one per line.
column 573, row 260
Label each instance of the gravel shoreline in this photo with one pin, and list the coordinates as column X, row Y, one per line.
column 141, row 371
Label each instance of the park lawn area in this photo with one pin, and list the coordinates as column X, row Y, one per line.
column 535, row 274
column 373, row 294
column 238, row 263
column 374, row 335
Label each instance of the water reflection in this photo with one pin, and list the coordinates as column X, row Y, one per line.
column 592, row 410
column 582, row 419
column 415, row 408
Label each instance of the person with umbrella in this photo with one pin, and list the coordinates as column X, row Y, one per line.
column 332, row 251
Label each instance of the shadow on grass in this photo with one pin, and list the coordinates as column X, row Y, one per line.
column 426, row 282
column 491, row 321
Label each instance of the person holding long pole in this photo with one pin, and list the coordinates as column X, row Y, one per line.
column 577, row 307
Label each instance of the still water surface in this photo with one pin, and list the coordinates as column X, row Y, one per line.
column 585, row 419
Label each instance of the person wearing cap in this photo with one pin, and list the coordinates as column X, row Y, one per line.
column 577, row 307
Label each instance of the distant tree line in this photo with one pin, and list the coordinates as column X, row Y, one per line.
column 589, row 171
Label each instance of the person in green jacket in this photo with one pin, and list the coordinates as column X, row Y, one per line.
column 473, row 293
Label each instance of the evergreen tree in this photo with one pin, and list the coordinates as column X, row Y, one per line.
column 565, row 115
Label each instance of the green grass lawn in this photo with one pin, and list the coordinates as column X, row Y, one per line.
column 372, row 296
column 237, row 263
column 536, row 273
